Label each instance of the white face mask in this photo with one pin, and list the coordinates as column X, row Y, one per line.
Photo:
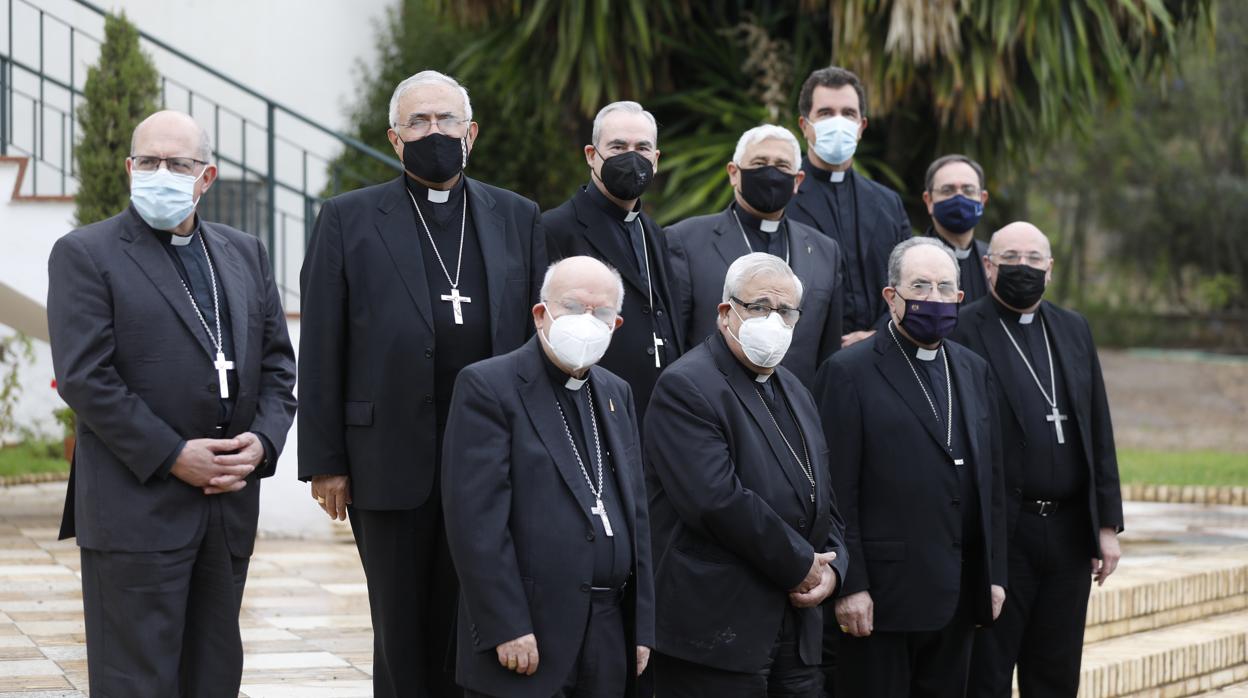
column 162, row 198
column 579, row 341
column 765, row 340
column 836, row 139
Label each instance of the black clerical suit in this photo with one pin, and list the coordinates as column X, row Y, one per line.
column 924, row 521
column 972, row 280
column 867, row 220
column 703, row 248
column 591, row 224
column 531, row 556
column 1058, row 495
column 163, row 564
column 379, row 353
column 735, row 528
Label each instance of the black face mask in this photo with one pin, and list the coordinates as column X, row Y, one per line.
column 1019, row 285
column 435, row 158
column 766, row 189
column 626, row 175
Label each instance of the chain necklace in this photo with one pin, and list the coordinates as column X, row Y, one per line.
column 807, row 470
column 948, row 386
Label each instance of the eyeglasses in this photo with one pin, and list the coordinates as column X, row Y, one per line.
column 606, row 314
column 790, row 316
column 922, row 290
column 150, row 163
column 970, row 191
column 446, row 123
column 1033, row 259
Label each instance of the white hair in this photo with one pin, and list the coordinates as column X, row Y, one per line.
column 899, row 252
column 628, row 108
column 426, row 77
column 762, row 133
column 754, row 265
column 544, row 294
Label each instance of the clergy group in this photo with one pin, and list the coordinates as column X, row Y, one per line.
column 789, row 448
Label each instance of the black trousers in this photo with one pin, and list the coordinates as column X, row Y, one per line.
column 412, row 595
column 786, row 676
column 1041, row 625
column 165, row 623
column 601, row 670
column 906, row 665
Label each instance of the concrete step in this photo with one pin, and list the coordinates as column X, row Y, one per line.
column 1176, row 660
column 1239, row 690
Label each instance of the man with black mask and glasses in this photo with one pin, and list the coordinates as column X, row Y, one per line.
column 911, row 428
column 1064, row 507
column 764, row 173
column 604, row 220
column 404, row 284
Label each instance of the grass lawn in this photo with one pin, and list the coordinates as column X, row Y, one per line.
column 1183, row 467
column 32, row 457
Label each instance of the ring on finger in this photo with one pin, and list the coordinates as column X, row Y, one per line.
column 320, row 500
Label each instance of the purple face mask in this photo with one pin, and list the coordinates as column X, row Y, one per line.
column 928, row 322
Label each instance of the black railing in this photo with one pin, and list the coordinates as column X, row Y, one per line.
column 272, row 168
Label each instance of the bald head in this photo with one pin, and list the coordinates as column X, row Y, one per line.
column 584, row 280
column 1022, row 237
column 171, row 134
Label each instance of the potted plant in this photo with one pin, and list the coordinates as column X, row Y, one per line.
column 69, row 423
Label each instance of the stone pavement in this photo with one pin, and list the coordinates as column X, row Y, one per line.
column 305, row 615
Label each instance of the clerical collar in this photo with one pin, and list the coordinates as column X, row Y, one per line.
column 174, row 240
column 558, row 376
column 762, row 377
column 574, row 383
column 920, row 353
column 822, row 175
column 961, row 254
column 755, row 223
column 610, row 208
column 436, row 196
column 1013, row 316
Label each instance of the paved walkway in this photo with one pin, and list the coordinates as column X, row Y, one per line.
column 305, row 616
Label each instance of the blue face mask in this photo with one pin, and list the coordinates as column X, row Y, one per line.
column 836, row 139
column 162, row 198
column 958, row 214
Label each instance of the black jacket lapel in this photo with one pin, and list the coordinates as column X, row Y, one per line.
column 611, row 410
column 602, row 235
column 1068, row 351
column 398, row 228
column 146, row 252
column 728, row 241
column 892, row 364
column 998, row 346
column 492, row 235
column 237, row 286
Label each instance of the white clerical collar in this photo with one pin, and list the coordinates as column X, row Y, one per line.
column 838, row 176
column 439, row 196
column 769, row 226
column 926, row 354
column 763, row 377
column 181, row 240
column 574, row 383
column 632, row 215
column 1026, row 318
column 963, row 254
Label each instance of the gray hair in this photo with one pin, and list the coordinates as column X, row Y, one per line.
column 894, row 259
column 426, row 77
column 754, row 265
column 544, row 294
column 628, row 108
column 762, row 133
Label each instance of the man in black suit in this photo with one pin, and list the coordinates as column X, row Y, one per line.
column 955, row 195
column 912, row 428
column 748, row 538
column 604, row 220
column 169, row 343
column 546, row 505
column 1064, row 507
column 764, row 174
column 865, row 218
column 404, row 284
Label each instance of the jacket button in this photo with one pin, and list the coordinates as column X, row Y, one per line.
column 1018, row 491
column 650, row 351
column 658, row 313
column 589, row 536
column 212, row 387
column 801, row 523
column 428, row 353
column 956, row 502
column 645, row 310
column 428, row 399
column 585, row 588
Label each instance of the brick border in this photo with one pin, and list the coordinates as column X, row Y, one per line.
column 22, row 163
column 33, row 478
column 1186, row 494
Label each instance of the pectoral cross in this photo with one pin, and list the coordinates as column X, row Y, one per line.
column 1057, row 418
column 658, row 351
column 455, row 300
column 222, row 366
column 601, row 512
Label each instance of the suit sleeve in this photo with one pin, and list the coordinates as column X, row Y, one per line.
column 998, row 550
column 275, row 409
column 476, row 501
column 644, row 576
column 833, row 327
column 538, row 261
column 682, row 283
column 80, row 325
column 688, row 450
column 840, row 410
column 1104, row 453
column 322, row 350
